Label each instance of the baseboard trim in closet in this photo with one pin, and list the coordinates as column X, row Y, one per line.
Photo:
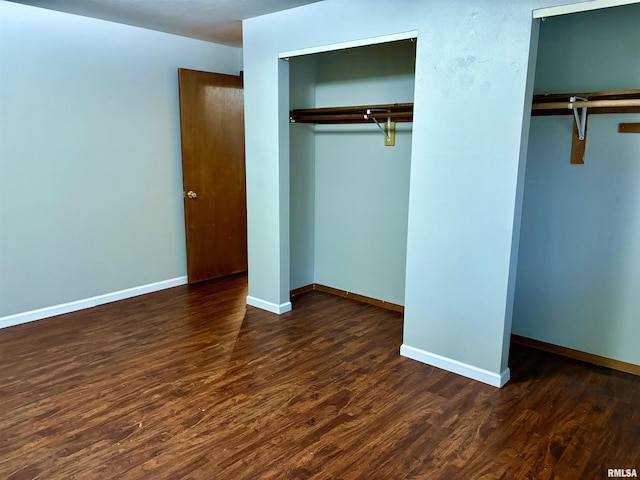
column 299, row 291
column 577, row 354
column 344, row 294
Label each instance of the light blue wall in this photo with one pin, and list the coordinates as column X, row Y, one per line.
column 470, row 108
column 579, row 263
column 589, row 51
column 302, row 75
column 90, row 169
column 471, row 78
column 360, row 187
column 380, row 73
column 362, row 198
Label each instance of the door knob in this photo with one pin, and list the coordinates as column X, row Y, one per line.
column 191, row 194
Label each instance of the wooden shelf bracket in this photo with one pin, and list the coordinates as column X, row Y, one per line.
column 629, row 127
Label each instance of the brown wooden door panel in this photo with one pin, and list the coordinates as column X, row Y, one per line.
column 213, row 167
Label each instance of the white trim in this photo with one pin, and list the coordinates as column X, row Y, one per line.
column 580, row 7
column 268, row 306
column 39, row 314
column 350, row 44
column 464, row 369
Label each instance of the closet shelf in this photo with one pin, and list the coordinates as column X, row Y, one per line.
column 612, row 101
column 397, row 112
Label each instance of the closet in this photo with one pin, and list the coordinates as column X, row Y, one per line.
column 349, row 171
column 578, row 273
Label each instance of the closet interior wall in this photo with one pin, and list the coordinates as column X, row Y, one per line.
column 349, row 192
column 579, row 259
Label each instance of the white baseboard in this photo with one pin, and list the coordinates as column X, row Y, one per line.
column 69, row 307
column 464, row 369
column 268, row 306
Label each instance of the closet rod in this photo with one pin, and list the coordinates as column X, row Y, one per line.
column 588, row 104
column 604, row 95
column 617, row 101
column 351, row 118
column 398, row 112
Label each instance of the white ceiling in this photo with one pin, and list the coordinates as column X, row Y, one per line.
column 212, row 20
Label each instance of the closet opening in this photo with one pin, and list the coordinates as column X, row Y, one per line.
column 349, row 180
column 579, row 255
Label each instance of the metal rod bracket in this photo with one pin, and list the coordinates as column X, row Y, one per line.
column 368, row 116
column 581, row 119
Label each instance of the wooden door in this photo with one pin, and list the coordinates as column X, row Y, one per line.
column 213, row 173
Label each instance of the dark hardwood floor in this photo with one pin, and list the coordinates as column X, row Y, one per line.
column 190, row 383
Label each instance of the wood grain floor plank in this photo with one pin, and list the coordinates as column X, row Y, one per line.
column 190, row 383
